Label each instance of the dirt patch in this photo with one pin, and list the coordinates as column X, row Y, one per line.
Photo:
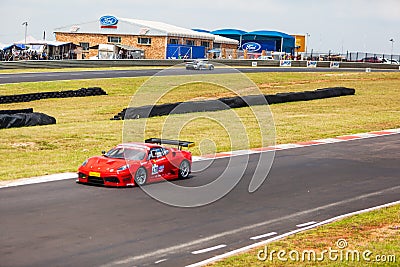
column 24, row 145
column 385, row 232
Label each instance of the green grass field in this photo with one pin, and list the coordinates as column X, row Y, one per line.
column 377, row 233
column 84, row 127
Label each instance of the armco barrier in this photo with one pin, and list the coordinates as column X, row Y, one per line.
column 83, row 92
column 87, row 63
column 229, row 102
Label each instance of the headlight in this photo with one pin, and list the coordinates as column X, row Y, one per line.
column 84, row 163
column 123, row 168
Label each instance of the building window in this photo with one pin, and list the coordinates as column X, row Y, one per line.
column 114, row 39
column 190, row 42
column 144, row 41
column 85, row 46
column 205, row 44
column 174, row 41
column 217, row 46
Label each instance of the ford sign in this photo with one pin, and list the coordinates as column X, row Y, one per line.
column 251, row 47
column 108, row 20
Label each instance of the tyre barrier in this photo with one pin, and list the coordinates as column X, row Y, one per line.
column 229, row 103
column 15, row 111
column 25, row 119
column 83, row 92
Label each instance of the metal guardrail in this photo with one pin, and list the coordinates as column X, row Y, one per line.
column 55, row 64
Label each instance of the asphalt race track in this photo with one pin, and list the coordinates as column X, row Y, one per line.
column 67, row 224
column 78, row 75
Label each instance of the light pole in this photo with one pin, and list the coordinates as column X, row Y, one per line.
column 308, row 36
column 391, row 54
column 26, row 29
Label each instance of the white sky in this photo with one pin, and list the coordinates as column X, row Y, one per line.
column 336, row 25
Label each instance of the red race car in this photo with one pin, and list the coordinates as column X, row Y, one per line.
column 133, row 164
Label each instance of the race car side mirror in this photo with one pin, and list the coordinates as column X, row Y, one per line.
column 103, row 152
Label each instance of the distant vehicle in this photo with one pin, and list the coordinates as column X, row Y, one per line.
column 131, row 164
column 390, row 61
column 265, row 58
column 199, row 65
column 371, row 60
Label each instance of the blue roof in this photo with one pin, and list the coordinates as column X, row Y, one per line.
column 228, row 32
column 271, row 34
column 17, row 46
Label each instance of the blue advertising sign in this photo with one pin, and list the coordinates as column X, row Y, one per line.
column 108, row 21
column 257, row 47
column 251, row 47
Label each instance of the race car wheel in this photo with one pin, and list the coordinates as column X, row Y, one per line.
column 141, row 176
column 211, row 68
column 184, row 169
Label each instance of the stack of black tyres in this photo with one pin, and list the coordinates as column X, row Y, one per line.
column 93, row 91
column 23, row 118
column 229, row 102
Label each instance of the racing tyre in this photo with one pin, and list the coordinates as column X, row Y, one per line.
column 184, row 169
column 141, row 176
column 211, row 68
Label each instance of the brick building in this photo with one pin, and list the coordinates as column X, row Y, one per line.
column 157, row 40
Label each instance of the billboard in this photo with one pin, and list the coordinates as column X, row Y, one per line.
column 300, row 42
column 259, row 46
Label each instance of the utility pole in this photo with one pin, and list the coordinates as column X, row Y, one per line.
column 26, row 29
column 391, row 54
column 307, row 42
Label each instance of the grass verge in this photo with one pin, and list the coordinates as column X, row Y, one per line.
column 372, row 240
column 84, row 128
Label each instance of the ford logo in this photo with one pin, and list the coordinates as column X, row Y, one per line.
column 108, row 20
column 251, row 47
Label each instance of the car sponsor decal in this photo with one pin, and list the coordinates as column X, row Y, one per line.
column 161, row 168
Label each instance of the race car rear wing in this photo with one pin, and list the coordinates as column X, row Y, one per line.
column 178, row 143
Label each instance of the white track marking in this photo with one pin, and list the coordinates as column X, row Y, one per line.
column 262, row 243
column 179, row 247
column 39, row 180
column 305, row 224
column 287, row 146
column 208, row 249
column 262, row 236
column 160, row 261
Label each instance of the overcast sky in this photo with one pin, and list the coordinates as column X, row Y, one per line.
column 337, row 25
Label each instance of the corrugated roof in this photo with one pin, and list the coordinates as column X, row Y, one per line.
column 170, row 30
column 128, row 26
column 224, row 40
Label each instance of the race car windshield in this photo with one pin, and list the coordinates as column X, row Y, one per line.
column 126, row 153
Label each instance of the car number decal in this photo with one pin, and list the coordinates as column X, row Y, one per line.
column 154, row 169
